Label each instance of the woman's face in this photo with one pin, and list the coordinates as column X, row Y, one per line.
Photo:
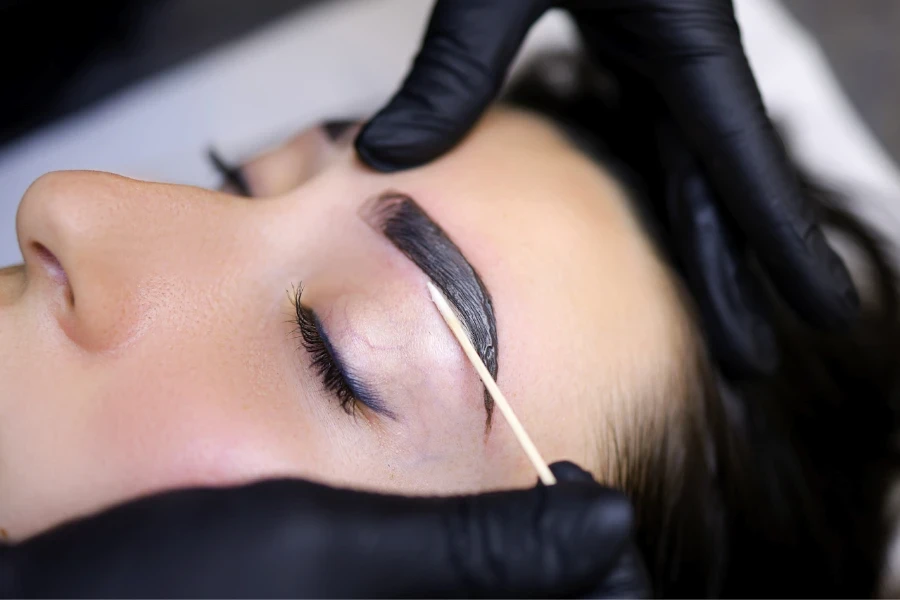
column 151, row 341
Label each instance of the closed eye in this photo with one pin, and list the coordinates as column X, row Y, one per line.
column 337, row 379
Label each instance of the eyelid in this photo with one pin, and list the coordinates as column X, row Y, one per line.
column 330, row 366
column 361, row 391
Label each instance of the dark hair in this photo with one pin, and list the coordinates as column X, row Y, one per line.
column 768, row 486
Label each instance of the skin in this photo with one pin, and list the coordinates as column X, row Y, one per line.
column 160, row 352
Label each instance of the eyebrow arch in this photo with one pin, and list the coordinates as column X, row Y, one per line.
column 415, row 234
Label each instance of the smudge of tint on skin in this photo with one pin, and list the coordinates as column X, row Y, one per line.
column 403, row 222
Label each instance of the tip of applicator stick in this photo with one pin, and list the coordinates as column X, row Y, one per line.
column 452, row 319
column 447, row 310
column 435, row 293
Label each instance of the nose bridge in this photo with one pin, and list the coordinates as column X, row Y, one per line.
column 102, row 219
column 121, row 243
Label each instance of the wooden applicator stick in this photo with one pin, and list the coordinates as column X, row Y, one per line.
column 499, row 399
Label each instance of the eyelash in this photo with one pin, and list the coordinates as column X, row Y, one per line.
column 230, row 174
column 322, row 358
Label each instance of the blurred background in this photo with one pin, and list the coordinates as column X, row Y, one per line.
column 859, row 38
column 63, row 56
column 143, row 87
column 70, row 54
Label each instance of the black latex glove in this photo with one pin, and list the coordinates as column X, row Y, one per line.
column 291, row 538
column 739, row 188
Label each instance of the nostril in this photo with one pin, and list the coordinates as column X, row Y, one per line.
column 54, row 268
column 51, row 263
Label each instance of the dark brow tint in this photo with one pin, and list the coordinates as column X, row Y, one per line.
column 413, row 232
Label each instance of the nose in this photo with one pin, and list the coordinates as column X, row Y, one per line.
column 116, row 242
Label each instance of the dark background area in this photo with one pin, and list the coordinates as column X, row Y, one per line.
column 861, row 39
column 61, row 56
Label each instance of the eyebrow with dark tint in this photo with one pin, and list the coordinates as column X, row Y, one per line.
column 406, row 225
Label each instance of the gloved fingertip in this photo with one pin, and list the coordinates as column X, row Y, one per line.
column 389, row 143
column 373, row 156
column 569, row 472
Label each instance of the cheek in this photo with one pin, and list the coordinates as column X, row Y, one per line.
column 179, row 429
column 91, row 435
column 211, row 411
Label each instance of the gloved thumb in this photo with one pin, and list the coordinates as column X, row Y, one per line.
column 569, row 472
column 559, row 540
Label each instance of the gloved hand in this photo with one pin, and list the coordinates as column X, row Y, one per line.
column 736, row 187
column 291, row 538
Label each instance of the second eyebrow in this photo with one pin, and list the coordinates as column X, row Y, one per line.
column 413, row 232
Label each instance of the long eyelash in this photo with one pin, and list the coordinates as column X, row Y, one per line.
column 231, row 174
column 323, row 361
